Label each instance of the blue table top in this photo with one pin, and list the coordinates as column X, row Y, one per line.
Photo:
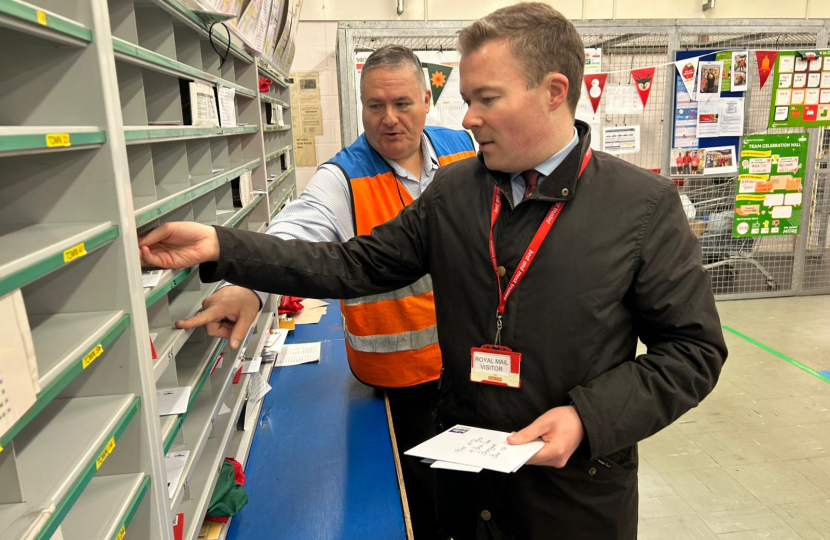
column 321, row 464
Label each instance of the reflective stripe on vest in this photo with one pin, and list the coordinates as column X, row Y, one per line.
column 392, row 338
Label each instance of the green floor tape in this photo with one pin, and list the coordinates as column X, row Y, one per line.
column 809, row 370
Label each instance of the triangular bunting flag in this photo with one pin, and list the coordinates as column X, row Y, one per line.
column 644, row 78
column 438, row 75
column 595, row 84
column 688, row 71
column 766, row 61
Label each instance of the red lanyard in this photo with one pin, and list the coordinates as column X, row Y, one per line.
column 531, row 251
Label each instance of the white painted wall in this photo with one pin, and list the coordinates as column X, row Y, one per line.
column 438, row 10
column 317, row 34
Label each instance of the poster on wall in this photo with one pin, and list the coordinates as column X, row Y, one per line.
column 726, row 72
column 687, row 161
column 801, row 90
column 770, row 184
column 593, row 61
column 709, row 81
column 621, row 139
column 740, row 62
column 685, row 116
column 719, row 161
column 306, row 100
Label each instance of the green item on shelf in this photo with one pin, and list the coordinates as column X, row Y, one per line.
column 228, row 496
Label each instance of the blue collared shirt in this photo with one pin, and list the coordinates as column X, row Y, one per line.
column 545, row 169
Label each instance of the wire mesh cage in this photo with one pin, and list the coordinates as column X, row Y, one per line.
column 742, row 267
column 739, row 267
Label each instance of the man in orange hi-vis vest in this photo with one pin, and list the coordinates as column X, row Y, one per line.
column 391, row 338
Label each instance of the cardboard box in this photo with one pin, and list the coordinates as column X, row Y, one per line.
column 697, row 226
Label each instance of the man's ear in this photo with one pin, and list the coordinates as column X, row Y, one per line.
column 557, row 86
column 428, row 95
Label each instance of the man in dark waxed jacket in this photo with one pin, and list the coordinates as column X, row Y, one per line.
column 617, row 263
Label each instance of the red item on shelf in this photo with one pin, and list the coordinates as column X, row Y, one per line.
column 153, row 350
column 290, row 304
column 178, row 527
column 238, row 376
column 264, row 84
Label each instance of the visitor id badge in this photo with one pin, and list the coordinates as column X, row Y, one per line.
column 493, row 364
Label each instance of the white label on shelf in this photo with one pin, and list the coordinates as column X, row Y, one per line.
column 227, row 106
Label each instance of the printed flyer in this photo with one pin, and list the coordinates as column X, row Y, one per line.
column 770, row 183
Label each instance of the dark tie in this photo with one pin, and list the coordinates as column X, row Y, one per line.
column 531, row 179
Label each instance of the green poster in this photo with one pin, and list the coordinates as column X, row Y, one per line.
column 801, row 90
column 772, row 169
column 726, row 74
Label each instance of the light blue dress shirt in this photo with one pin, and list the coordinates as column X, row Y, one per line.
column 545, row 169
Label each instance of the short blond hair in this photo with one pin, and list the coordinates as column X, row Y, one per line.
column 541, row 38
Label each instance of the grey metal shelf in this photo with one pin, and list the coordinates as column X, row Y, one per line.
column 280, row 179
column 269, row 99
column 177, row 200
column 86, row 430
column 168, row 281
column 205, row 473
column 272, row 74
column 242, row 213
column 278, row 153
column 202, row 413
column 171, row 339
column 145, row 58
column 101, row 148
column 149, row 134
column 21, row 140
column 106, row 508
column 186, row 16
column 241, row 440
column 31, row 19
column 279, row 205
column 29, row 252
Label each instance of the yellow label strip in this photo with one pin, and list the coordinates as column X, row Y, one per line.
column 41, row 17
column 57, row 139
column 93, row 354
column 121, row 533
column 105, row 454
column 74, row 252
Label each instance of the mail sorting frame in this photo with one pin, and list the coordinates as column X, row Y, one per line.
column 67, row 146
column 806, row 269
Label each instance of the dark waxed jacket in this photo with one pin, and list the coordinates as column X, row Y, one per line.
column 619, row 263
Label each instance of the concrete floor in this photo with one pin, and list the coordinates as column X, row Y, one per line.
column 753, row 460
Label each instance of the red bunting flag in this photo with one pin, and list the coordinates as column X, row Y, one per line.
column 644, row 78
column 766, row 61
column 595, row 84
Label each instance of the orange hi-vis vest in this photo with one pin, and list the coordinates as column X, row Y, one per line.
column 391, row 338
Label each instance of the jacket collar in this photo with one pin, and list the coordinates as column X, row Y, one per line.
column 561, row 185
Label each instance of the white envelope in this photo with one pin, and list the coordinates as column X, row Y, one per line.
column 173, row 400
column 477, row 447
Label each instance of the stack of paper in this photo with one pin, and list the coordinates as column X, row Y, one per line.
column 300, row 353
column 313, row 311
column 174, row 463
column 465, row 448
